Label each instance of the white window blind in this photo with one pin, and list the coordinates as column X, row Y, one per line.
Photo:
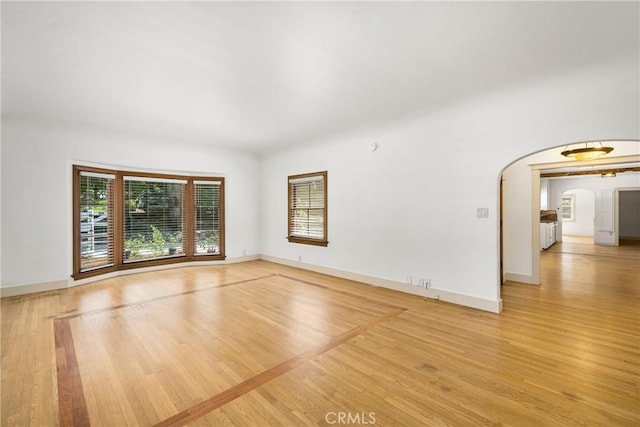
column 159, row 180
column 97, row 175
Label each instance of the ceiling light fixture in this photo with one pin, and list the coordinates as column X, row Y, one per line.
column 587, row 152
column 608, row 175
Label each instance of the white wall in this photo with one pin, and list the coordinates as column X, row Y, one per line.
column 629, row 216
column 409, row 208
column 584, row 214
column 36, row 191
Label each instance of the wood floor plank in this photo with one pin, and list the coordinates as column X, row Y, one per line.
column 73, row 407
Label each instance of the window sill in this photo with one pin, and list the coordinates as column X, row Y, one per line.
column 129, row 265
column 302, row 240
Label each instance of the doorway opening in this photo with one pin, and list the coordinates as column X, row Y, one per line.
column 522, row 185
column 577, row 216
column 628, row 216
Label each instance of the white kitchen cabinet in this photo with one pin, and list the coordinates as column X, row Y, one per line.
column 547, row 234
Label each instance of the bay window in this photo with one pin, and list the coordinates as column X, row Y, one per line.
column 125, row 219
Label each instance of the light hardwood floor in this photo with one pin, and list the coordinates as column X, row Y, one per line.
column 263, row 344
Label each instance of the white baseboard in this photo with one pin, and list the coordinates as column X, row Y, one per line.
column 434, row 293
column 520, row 278
column 10, row 291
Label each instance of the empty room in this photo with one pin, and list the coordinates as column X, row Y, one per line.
column 320, row 213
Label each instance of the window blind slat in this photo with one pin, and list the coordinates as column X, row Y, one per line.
column 97, row 175
column 196, row 182
column 306, row 179
column 149, row 179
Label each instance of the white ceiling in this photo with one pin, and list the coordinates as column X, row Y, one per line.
column 261, row 75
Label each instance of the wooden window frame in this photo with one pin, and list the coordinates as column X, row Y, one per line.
column 118, row 222
column 77, row 218
column 291, row 207
column 192, row 214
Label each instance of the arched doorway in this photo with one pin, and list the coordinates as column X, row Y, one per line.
column 521, row 192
